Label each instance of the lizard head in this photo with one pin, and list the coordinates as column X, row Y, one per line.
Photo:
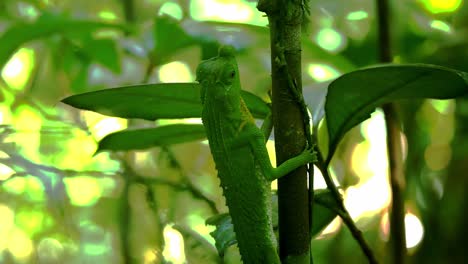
column 219, row 76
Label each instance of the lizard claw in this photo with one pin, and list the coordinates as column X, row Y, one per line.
column 309, row 154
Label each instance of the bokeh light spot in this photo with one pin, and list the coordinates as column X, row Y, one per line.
column 31, row 221
column 437, row 157
column 441, row 25
column 108, row 125
column 174, row 249
column 28, row 120
column 442, row 106
column 18, row 69
column 20, row 245
column 414, row 230
column 369, row 163
column 5, row 172
column 27, row 10
column 172, row 9
column 7, row 222
column 330, row 40
column 83, row 190
column 50, row 250
column 357, row 15
column 175, row 72
column 322, row 72
column 34, row 189
column 107, row 15
column 15, row 185
column 150, row 255
column 232, row 11
column 441, row 6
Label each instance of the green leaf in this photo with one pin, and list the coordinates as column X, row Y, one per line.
column 21, row 33
column 354, row 96
column 104, row 51
column 223, row 235
column 153, row 101
column 324, row 211
column 151, row 137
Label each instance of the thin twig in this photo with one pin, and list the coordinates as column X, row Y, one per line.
column 344, row 214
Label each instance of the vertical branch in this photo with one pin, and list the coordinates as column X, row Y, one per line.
column 129, row 10
column 125, row 210
column 396, row 175
column 285, row 19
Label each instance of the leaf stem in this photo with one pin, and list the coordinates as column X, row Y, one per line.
column 344, row 214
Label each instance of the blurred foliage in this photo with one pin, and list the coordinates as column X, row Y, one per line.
column 59, row 204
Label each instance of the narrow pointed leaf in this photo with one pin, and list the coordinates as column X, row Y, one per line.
column 354, row 96
column 151, row 137
column 154, row 101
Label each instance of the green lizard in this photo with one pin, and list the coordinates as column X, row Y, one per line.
column 241, row 158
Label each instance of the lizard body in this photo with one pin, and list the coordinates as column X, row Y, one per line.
column 241, row 158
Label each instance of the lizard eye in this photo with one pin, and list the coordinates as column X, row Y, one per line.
column 232, row 74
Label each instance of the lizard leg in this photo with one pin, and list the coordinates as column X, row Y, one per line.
column 254, row 137
column 267, row 126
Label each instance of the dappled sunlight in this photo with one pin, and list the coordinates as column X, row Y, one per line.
column 175, row 72
column 441, row 6
column 108, row 125
column 368, row 198
column 150, row 256
column 95, row 240
column 20, row 245
column 322, row 72
column 438, row 157
column 7, row 222
column 28, row 10
column 174, row 246
column 357, row 15
column 369, row 163
column 319, row 182
column 81, row 146
column 331, row 228
column 17, row 71
column 32, row 221
column 330, row 39
column 165, row 122
column 28, row 122
column 83, row 190
column 441, row 26
column 414, row 230
column 5, row 172
column 197, row 223
column 442, row 106
column 171, row 9
column 50, row 250
column 438, row 116
column 29, row 186
column 100, row 125
column 229, row 11
column 107, row 15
